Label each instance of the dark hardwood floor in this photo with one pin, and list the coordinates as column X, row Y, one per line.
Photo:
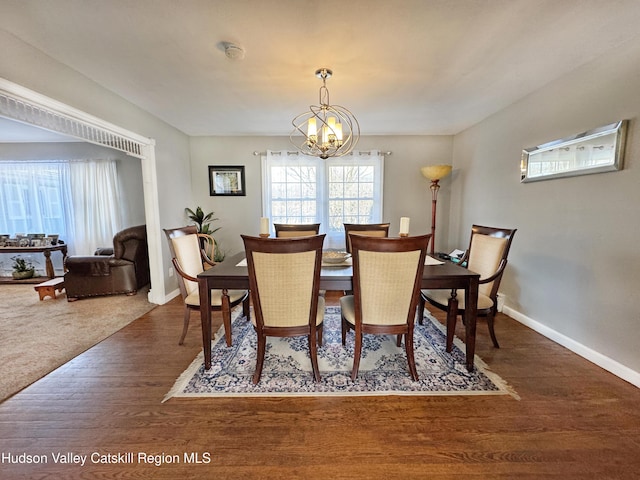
column 574, row 420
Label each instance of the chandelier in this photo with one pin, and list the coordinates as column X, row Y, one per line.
column 326, row 130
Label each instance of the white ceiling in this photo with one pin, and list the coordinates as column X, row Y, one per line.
column 402, row 66
column 16, row 132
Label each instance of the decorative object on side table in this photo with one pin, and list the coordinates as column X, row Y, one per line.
column 23, row 241
column 22, row 268
column 434, row 173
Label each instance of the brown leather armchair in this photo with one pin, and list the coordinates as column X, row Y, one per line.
column 121, row 269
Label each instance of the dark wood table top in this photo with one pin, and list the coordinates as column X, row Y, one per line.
column 228, row 275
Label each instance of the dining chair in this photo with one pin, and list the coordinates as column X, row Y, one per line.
column 387, row 274
column 486, row 255
column 367, row 229
column 284, row 280
column 189, row 259
column 287, row 230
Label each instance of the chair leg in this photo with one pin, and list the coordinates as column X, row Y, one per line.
column 356, row 355
column 262, row 341
column 246, row 308
column 344, row 331
column 421, row 304
column 399, row 340
column 313, row 350
column 320, row 329
column 491, row 331
column 226, row 317
column 452, row 315
column 408, row 343
column 185, row 327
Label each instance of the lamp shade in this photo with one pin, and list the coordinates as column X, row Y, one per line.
column 436, row 172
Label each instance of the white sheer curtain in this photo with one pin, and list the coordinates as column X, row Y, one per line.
column 98, row 212
column 36, row 198
column 301, row 189
column 79, row 200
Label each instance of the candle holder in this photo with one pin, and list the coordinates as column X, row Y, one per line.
column 264, row 235
column 403, row 235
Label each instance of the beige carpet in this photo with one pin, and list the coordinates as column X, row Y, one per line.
column 37, row 336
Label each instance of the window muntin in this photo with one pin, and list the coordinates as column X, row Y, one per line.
column 301, row 189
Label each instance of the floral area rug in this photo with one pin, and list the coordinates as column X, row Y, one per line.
column 383, row 366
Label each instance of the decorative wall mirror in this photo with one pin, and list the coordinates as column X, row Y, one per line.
column 595, row 151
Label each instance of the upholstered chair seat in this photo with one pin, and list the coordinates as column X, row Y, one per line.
column 216, row 297
column 442, row 297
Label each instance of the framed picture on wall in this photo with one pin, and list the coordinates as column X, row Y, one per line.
column 226, row 180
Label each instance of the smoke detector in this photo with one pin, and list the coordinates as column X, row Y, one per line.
column 233, row 51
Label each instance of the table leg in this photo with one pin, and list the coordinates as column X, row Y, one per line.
column 226, row 315
column 49, row 266
column 452, row 316
column 205, row 317
column 64, row 257
column 471, row 317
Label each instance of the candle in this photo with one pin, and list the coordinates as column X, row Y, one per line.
column 312, row 130
column 264, row 226
column 404, row 225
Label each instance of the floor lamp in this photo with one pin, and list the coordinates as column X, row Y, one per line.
column 434, row 173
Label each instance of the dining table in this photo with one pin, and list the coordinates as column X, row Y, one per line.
column 232, row 274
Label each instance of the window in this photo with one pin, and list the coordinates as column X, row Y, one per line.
column 302, row 189
column 79, row 200
column 31, row 198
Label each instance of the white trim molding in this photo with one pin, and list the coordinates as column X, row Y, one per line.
column 597, row 358
column 26, row 106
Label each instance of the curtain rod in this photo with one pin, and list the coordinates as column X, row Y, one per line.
column 364, row 152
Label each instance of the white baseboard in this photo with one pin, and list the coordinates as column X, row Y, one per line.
column 170, row 296
column 597, row 358
column 159, row 299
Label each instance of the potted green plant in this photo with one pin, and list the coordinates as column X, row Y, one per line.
column 202, row 221
column 203, row 224
column 22, row 268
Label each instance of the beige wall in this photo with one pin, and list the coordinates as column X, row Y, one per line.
column 406, row 192
column 575, row 264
